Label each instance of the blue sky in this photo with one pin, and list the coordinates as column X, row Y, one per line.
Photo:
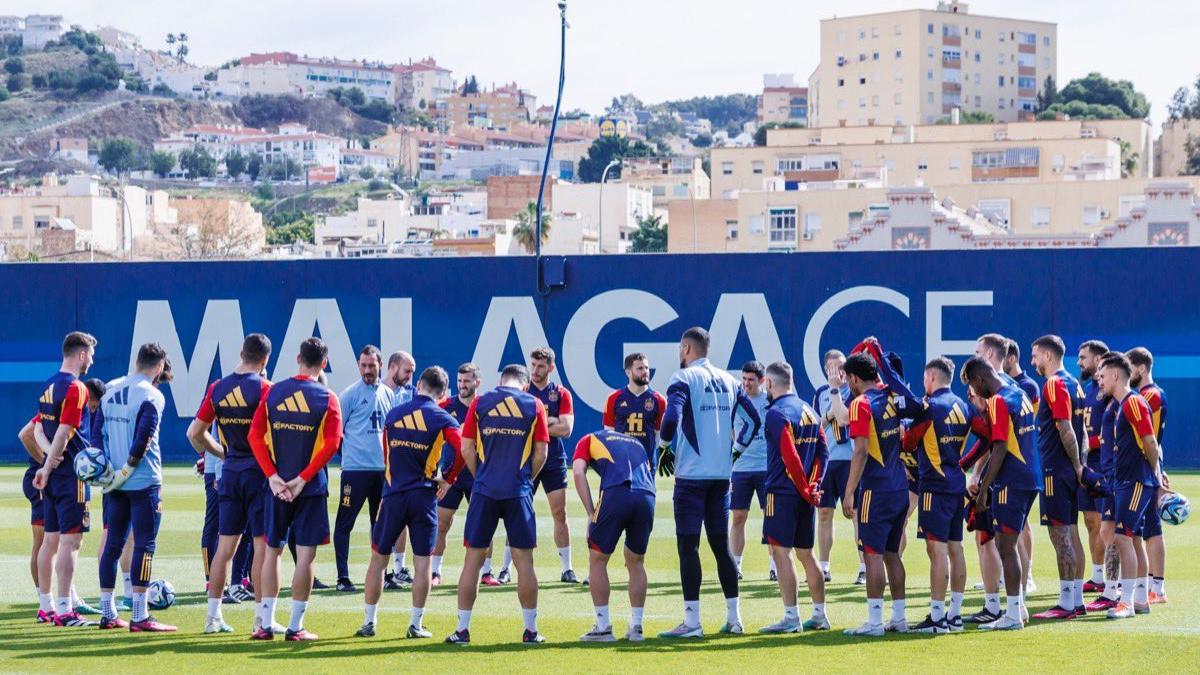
column 657, row 49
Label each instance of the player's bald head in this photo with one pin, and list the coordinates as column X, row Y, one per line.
column 400, row 356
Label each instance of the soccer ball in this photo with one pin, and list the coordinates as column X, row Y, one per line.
column 1174, row 508
column 90, row 464
column 160, row 594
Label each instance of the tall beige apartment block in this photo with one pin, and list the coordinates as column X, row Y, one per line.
column 915, row 66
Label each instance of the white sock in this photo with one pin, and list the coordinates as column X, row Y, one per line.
column 818, row 610
column 790, row 613
column 45, row 602
column 635, row 615
column 1097, row 574
column 1077, row 593
column 564, row 556
column 75, row 599
column 127, row 584
column 733, row 610
column 771, row 560
column 486, row 569
column 464, row 619
column 737, row 560
column 1140, row 592
column 108, row 608
column 62, row 605
column 1014, row 607
column 268, row 611
column 691, row 613
column 991, row 602
column 369, row 612
column 1110, row 589
column 897, row 610
column 956, row 600
column 530, row 618
column 1157, row 585
column 937, row 609
column 139, row 607
column 824, row 565
column 398, row 561
column 602, row 620
column 1128, row 586
column 214, row 608
column 875, row 611
column 418, row 615
column 299, row 607
column 437, row 565
column 862, row 568
column 507, row 557
column 1066, row 594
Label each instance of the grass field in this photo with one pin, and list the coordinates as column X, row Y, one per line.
column 1168, row 640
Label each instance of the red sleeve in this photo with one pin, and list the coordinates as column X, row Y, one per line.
column 860, row 418
column 37, row 417
column 565, row 404
column 470, row 427
column 1137, row 413
column 791, row 459
column 445, row 403
column 453, row 437
column 541, row 428
column 971, row 456
column 583, row 449
column 979, row 425
column 330, row 441
column 913, row 435
column 258, row 439
column 73, row 404
column 207, row 413
column 1054, row 394
column 610, row 410
column 998, row 418
column 1152, row 399
column 662, row 409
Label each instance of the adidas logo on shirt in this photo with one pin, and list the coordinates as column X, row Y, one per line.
column 234, row 399
column 507, row 408
column 48, row 395
column 294, row 403
column 414, row 421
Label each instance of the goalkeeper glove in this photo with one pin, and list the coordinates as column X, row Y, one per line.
column 666, row 460
column 114, row 480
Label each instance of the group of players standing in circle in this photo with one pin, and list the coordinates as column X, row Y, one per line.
column 867, row 441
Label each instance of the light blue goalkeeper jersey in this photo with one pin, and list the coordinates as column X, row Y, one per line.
column 364, row 409
column 754, row 457
column 701, row 401
column 132, row 409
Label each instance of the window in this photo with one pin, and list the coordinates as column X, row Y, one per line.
column 841, row 36
column 731, row 230
column 1000, row 80
column 1026, row 83
column 955, row 164
column 978, row 102
column 1016, row 157
column 371, row 222
column 756, row 167
column 841, row 81
column 875, row 101
column 896, row 29
column 874, row 31
column 978, row 34
column 898, row 53
column 930, row 29
column 727, row 168
column 899, row 77
column 812, row 224
column 782, row 223
column 1091, row 215
column 930, row 97
column 756, row 225
column 862, row 57
column 950, row 30
column 978, row 79
column 1002, row 36
column 1027, row 38
column 951, row 55
column 658, row 190
column 929, row 53
column 977, row 58
column 862, row 33
column 1000, row 58
column 1046, row 41
column 862, row 80
column 862, row 101
column 18, row 222
column 929, row 74
column 841, row 104
column 874, row 56
column 1039, row 216
column 897, row 98
column 922, row 165
column 680, row 191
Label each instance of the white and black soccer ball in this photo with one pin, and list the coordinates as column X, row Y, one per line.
column 90, row 464
column 1174, row 508
column 160, row 594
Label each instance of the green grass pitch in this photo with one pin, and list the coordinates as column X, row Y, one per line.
column 1168, row 640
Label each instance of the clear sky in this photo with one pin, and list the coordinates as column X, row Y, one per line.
column 656, row 49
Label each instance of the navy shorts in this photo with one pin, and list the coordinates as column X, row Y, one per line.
column 304, row 519
column 485, row 513
column 242, row 495
column 789, row 521
column 1132, row 503
column 1152, row 523
column 1010, row 508
column 701, row 503
column 833, row 486
column 744, row 485
column 881, row 518
column 139, row 512
column 1108, row 510
column 37, row 512
column 415, row 509
column 65, row 505
column 620, row 509
column 1059, row 500
column 940, row 516
column 553, row 475
column 459, row 491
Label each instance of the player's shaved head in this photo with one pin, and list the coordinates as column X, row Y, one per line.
column 401, row 356
column 780, row 374
column 514, row 375
column 698, row 339
column 434, row 381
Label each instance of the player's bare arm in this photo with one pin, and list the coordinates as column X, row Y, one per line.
column 561, row 426
column 995, row 461
column 539, row 457
column 54, row 455
column 858, row 462
column 579, row 472
column 202, row 441
column 28, row 438
column 470, row 459
column 1070, row 444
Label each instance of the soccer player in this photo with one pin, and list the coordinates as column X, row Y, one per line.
column 1088, row 360
column 1060, row 433
column 881, row 503
column 698, row 430
column 296, row 430
column 830, row 403
column 230, row 404
column 1142, row 362
column 636, row 410
column 504, row 443
column 937, row 436
column 401, row 369
column 421, row 444
column 1012, row 477
column 131, row 412
column 1012, row 368
column 34, row 496
column 1136, row 479
column 60, row 434
column 749, row 478
column 467, row 381
column 364, row 406
column 560, row 416
column 625, row 505
column 980, row 520
column 796, row 460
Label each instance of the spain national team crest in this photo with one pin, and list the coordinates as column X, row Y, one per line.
column 346, row 489
column 649, row 404
column 553, row 395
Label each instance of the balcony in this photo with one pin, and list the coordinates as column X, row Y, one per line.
column 952, row 40
column 1027, row 93
column 993, row 174
column 1025, row 48
column 810, row 176
column 951, row 87
column 1027, row 71
column 955, row 64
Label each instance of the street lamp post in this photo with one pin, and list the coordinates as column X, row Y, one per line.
column 604, row 177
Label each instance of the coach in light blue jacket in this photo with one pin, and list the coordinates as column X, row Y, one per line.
column 698, row 423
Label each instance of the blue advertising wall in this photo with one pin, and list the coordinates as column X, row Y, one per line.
column 447, row 311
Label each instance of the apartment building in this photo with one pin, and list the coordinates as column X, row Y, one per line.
column 782, row 101
column 317, row 76
column 35, row 30
column 667, row 178
column 292, row 141
column 942, row 154
column 102, row 219
column 1170, row 149
column 915, row 66
column 610, row 210
column 500, row 108
column 420, row 84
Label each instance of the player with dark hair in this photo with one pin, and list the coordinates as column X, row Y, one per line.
column 749, row 478
column 1142, row 362
column 1094, row 402
column 296, row 430
column 830, row 402
column 636, row 409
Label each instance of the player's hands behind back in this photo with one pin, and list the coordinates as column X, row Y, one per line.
column 666, row 459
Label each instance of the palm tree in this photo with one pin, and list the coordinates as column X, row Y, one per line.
column 524, row 230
